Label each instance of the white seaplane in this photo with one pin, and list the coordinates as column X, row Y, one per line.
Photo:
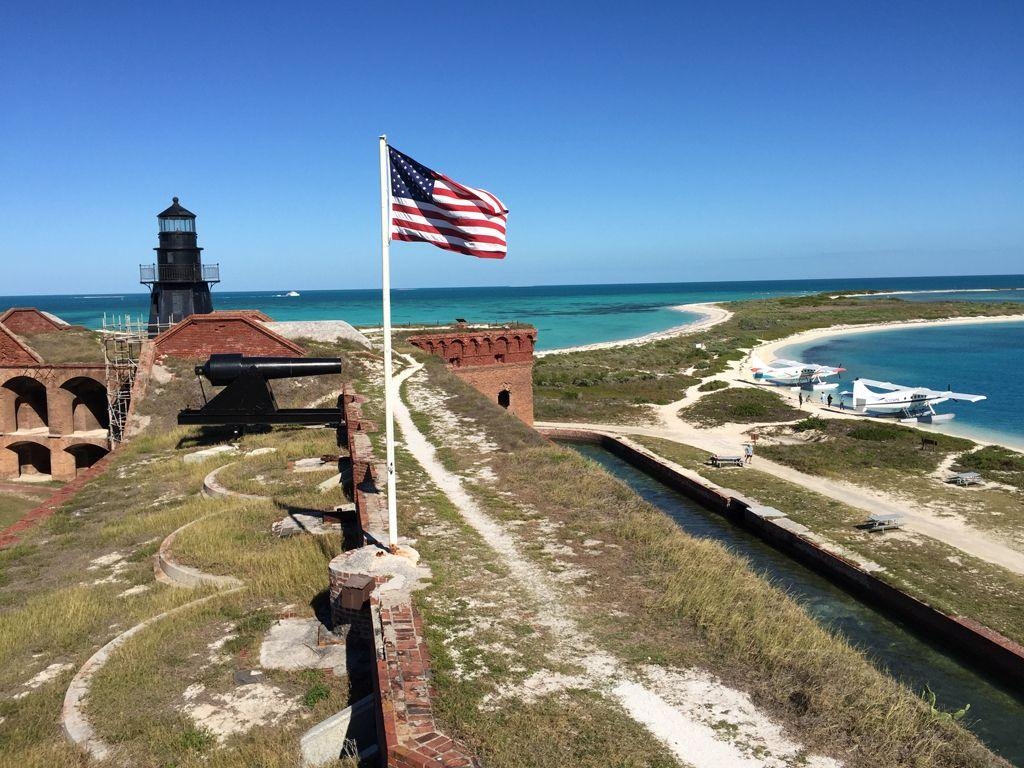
column 793, row 373
column 882, row 398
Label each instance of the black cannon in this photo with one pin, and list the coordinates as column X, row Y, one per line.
column 247, row 398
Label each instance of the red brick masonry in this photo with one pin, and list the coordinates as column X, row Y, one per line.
column 199, row 336
column 29, row 320
column 408, row 730
column 498, row 362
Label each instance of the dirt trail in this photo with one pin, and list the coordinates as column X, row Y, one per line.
column 729, row 439
column 691, row 741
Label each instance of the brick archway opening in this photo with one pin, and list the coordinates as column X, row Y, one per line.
column 505, row 398
column 28, row 409
column 89, row 406
column 86, row 455
column 33, row 458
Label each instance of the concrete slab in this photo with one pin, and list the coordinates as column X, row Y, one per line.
column 293, row 644
column 206, row 453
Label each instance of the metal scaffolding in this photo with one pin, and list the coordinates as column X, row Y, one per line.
column 123, row 338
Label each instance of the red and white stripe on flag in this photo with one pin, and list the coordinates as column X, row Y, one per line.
column 427, row 206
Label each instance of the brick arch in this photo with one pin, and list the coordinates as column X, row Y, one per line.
column 85, row 455
column 33, row 458
column 24, row 404
column 88, row 405
column 456, row 351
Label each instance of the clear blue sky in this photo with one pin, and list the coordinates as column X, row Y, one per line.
column 631, row 143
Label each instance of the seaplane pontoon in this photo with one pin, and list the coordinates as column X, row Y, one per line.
column 793, row 373
column 883, row 398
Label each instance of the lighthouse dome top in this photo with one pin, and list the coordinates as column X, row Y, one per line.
column 176, row 218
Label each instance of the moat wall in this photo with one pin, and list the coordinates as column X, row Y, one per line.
column 977, row 643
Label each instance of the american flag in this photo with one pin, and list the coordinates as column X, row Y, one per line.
column 428, row 206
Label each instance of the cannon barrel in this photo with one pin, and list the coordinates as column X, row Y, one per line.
column 221, row 370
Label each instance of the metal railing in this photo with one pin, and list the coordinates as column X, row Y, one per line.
column 179, row 273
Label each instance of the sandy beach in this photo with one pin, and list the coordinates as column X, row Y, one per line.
column 711, row 315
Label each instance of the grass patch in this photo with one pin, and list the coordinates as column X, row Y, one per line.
column 741, row 405
column 713, row 386
column 71, row 345
column 852, row 449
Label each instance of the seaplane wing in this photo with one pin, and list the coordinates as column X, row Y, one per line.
column 788, row 372
column 888, row 386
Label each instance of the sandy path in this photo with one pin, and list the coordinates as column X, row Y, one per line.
column 691, row 741
column 711, row 315
column 729, row 439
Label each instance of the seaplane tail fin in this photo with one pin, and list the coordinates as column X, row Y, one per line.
column 757, row 364
column 862, row 396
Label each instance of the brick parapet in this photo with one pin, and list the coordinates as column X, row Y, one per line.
column 408, row 730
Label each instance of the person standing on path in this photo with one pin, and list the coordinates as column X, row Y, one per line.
column 800, row 397
column 748, row 452
column 830, row 401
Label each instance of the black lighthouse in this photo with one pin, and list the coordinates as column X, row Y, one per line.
column 179, row 282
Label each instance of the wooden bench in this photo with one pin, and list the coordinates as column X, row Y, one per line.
column 725, row 461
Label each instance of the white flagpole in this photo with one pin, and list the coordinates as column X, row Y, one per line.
column 389, row 393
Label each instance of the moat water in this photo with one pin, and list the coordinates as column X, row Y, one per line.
column 996, row 714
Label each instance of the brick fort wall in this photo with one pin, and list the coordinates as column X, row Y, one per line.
column 496, row 362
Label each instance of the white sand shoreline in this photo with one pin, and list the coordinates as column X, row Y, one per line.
column 711, row 315
column 769, row 349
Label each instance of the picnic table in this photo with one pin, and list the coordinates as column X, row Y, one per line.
column 966, row 478
column 726, row 461
column 883, row 522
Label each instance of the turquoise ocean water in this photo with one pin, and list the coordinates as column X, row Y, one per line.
column 984, row 359
column 565, row 315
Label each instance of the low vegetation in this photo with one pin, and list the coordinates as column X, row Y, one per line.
column 712, row 386
column 995, row 463
column 72, row 345
column 740, row 405
column 852, row 449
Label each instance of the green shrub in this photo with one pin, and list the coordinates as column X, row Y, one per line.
column 877, row 432
column 711, row 386
column 811, row 422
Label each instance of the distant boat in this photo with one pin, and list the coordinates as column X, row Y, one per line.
column 292, row 293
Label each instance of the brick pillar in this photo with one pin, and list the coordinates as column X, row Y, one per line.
column 60, row 410
column 9, row 469
column 7, row 413
column 350, row 621
column 62, row 463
